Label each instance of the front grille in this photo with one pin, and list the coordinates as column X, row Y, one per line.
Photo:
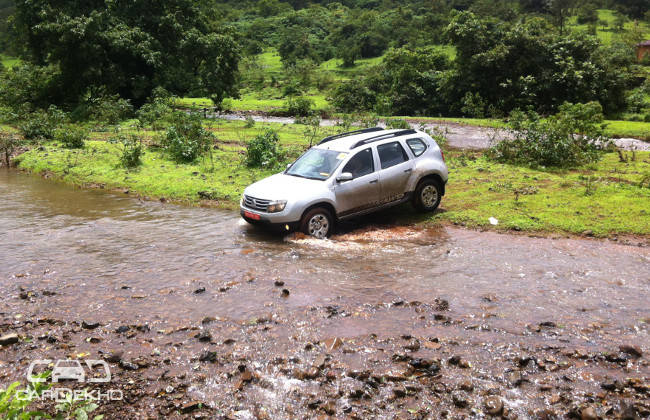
column 256, row 203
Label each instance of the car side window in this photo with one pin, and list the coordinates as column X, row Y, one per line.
column 391, row 154
column 361, row 164
column 417, row 146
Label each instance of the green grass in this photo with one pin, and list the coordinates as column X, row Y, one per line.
column 607, row 198
column 635, row 129
column 607, row 34
column 8, row 62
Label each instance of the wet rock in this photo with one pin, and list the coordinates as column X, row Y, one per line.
column 399, row 392
column 199, row 290
column 414, row 345
column 126, row 365
column 631, row 349
column 204, row 336
column 332, row 344
column 320, row 361
column 208, row 356
column 357, row 392
column 8, row 339
column 493, row 405
column 329, row 408
column 122, row 329
column 114, row 356
column 285, row 293
column 588, row 413
column 458, row 361
column 460, row 399
column 278, row 283
column 191, row 406
column 90, row 325
column 441, row 304
column 516, row 378
column 547, row 324
column 430, row 366
column 467, row 386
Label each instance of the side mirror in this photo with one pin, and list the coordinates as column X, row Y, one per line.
column 344, row 177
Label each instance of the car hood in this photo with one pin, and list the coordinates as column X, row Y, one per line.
column 284, row 187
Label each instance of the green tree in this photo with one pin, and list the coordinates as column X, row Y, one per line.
column 129, row 47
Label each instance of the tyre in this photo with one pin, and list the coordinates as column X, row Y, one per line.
column 427, row 195
column 317, row 222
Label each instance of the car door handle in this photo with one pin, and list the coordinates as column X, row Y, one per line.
column 408, row 170
column 374, row 181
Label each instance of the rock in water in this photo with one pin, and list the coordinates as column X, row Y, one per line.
column 8, row 339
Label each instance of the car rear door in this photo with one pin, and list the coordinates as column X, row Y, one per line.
column 362, row 192
column 395, row 170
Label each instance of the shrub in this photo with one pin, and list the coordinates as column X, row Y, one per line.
column 572, row 137
column 250, row 122
column 353, row 97
column 8, row 143
column 40, row 125
column 398, row 124
column 186, row 139
column 131, row 150
column 107, row 109
column 156, row 110
column 299, row 106
column 263, row 151
column 71, row 136
column 473, row 105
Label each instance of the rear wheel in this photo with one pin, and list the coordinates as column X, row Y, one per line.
column 317, row 222
column 427, row 195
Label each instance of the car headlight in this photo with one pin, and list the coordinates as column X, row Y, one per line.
column 276, row 206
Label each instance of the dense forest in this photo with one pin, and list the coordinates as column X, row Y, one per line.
column 436, row 57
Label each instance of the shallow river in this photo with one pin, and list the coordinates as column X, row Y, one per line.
column 90, row 254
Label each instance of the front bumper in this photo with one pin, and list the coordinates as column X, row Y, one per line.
column 268, row 219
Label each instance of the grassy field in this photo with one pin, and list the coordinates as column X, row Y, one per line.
column 606, row 29
column 607, row 198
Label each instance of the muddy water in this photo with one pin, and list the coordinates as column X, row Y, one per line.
column 108, row 255
column 85, row 255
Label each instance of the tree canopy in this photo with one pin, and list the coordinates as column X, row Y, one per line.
column 129, row 47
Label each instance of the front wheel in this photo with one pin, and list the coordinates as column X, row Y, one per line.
column 317, row 222
column 427, row 195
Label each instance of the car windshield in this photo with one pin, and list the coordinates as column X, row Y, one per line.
column 317, row 164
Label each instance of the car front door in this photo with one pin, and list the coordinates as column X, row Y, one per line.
column 395, row 170
column 362, row 192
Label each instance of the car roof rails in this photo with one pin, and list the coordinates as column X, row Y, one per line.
column 350, row 133
column 383, row 137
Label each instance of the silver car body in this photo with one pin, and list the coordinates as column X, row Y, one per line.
column 377, row 190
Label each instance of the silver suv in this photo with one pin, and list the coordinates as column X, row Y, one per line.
column 347, row 175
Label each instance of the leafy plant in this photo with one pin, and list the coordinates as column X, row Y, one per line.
column 186, row 139
column 71, row 136
column 131, row 149
column 15, row 402
column 398, row 124
column 250, row 122
column 263, row 151
column 573, row 137
column 154, row 112
column 299, row 106
column 40, row 125
column 8, row 143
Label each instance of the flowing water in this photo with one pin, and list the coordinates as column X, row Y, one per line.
column 91, row 254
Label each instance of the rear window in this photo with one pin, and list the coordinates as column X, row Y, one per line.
column 391, row 154
column 417, row 146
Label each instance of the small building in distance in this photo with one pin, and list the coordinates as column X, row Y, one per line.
column 643, row 50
